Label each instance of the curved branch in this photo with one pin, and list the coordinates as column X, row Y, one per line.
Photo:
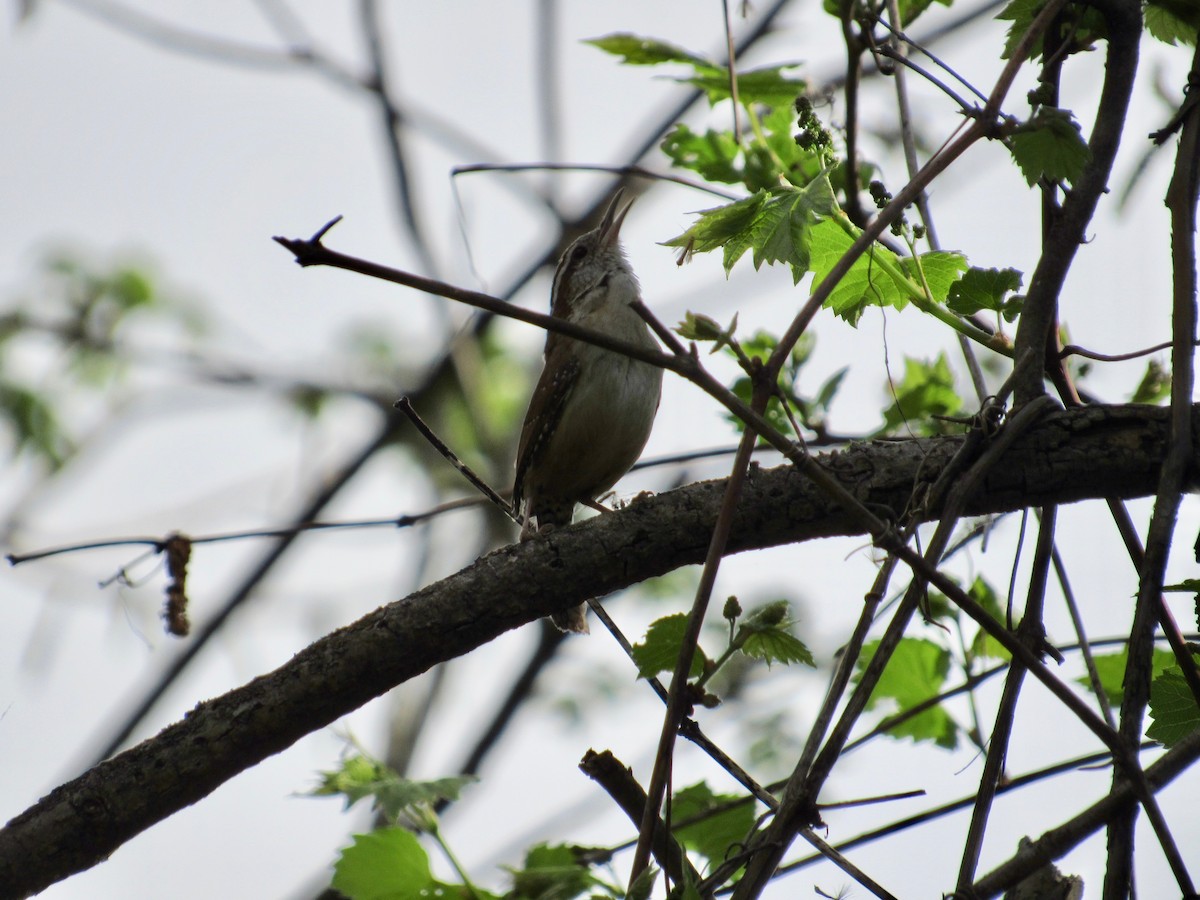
column 1073, row 455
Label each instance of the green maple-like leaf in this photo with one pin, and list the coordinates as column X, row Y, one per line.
column 1110, row 669
column 1050, row 146
column 926, row 391
column 915, row 673
column 764, row 635
column 1173, row 21
column 777, row 224
column 660, row 649
column 716, row 833
column 711, row 155
column 387, row 864
column 360, row 777
column 769, row 86
column 551, row 872
column 636, row 50
column 983, row 289
column 1173, row 708
column 1155, row 385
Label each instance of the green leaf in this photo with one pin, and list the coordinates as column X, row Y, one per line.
column 131, row 289
column 660, row 650
column 387, row 864
column 641, row 51
column 866, row 284
column 360, row 777
column 643, row 885
column 984, row 646
column 551, row 872
column 716, row 833
column 782, row 230
column 34, row 424
column 1173, row 708
column 1050, row 146
column 915, row 673
column 719, row 225
column 1173, row 21
column 937, row 270
column 760, row 347
column 829, row 389
column 776, row 223
column 768, row 86
column 764, row 635
column 927, row 390
column 981, row 289
column 1021, row 13
column 711, row 155
column 1084, row 27
column 1110, row 669
column 909, row 9
column 699, row 327
column 1155, row 385
column 777, row 645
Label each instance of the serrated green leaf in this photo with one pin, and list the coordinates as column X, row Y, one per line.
column 387, row 864
column 659, row 652
column 719, row 224
column 915, row 673
column 981, row 289
column 927, row 390
column 866, row 284
column 768, row 86
column 360, row 777
column 1155, row 385
column 1173, row 708
column 1173, row 21
column 937, row 270
column 984, row 646
column 775, row 223
column 1050, row 146
column 1084, row 28
column 909, row 9
column 1110, row 669
column 635, row 50
column 1021, row 13
column 777, row 645
column 781, row 232
column 551, row 872
column 711, row 155
column 716, row 833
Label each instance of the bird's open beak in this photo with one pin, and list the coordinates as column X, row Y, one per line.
column 610, row 225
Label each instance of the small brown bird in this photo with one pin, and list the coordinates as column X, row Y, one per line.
column 592, row 409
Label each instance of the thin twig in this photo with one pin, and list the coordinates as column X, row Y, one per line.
column 404, row 404
column 836, row 857
column 1032, row 632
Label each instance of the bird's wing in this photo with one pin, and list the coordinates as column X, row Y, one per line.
column 550, row 397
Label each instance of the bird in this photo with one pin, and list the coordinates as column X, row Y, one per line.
column 592, row 409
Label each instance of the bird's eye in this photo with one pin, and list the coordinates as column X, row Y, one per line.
column 579, row 253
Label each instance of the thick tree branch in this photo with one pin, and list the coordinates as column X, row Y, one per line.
column 1084, row 453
